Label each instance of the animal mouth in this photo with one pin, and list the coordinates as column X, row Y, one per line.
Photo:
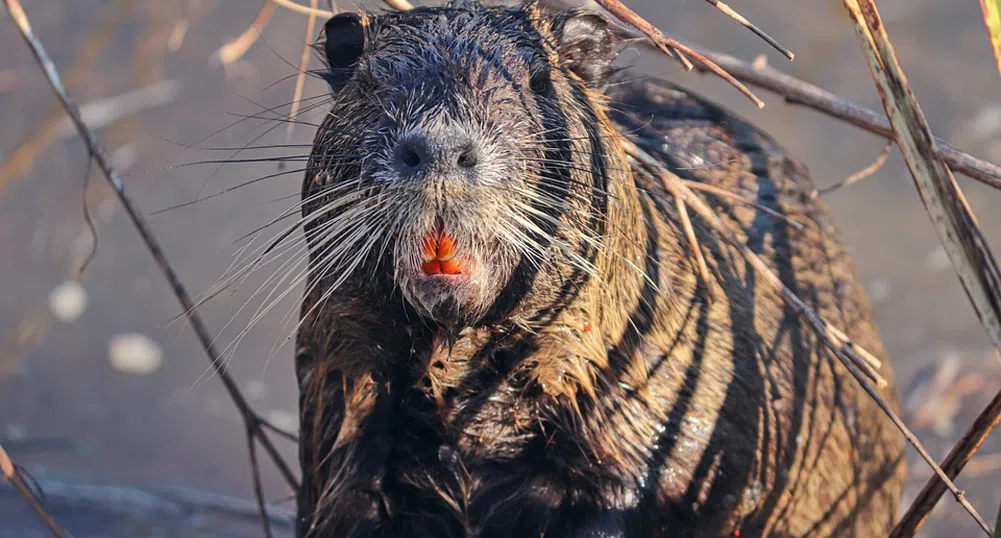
column 438, row 252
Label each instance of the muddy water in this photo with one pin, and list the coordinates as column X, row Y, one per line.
column 89, row 428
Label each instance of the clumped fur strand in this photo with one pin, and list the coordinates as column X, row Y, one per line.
column 574, row 380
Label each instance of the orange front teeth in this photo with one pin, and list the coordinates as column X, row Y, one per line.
column 438, row 253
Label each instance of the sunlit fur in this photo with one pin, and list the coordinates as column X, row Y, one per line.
column 575, row 381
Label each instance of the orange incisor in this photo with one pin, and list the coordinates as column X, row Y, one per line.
column 439, row 253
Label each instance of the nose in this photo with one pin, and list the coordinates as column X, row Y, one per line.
column 444, row 151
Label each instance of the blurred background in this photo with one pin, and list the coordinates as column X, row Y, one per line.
column 108, row 402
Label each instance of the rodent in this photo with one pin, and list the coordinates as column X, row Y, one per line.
column 504, row 333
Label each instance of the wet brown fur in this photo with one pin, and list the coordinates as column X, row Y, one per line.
column 635, row 408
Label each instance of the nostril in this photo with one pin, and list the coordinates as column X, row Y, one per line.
column 410, row 157
column 467, row 158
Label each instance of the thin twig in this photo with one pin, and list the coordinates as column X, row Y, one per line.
column 835, row 340
column 957, row 459
column 305, row 10
column 802, row 93
column 864, row 173
column 300, row 79
column 258, row 489
column 992, row 19
column 943, row 199
column 723, row 193
column 799, row 92
column 869, row 358
column 733, row 14
column 672, row 46
column 152, row 243
column 855, row 365
column 950, row 213
column 693, row 243
column 400, row 5
column 235, row 49
column 13, row 475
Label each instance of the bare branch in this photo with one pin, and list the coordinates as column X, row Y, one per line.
column 300, row 79
column 299, row 8
column 733, row 14
column 835, row 340
column 798, row 92
column 943, row 199
column 802, row 93
column 864, row 173
column 235, row 49
column 950, row 213
column 258, row 489
column 957, row 459
column 672, row 46
column 13, row 475
column 250, row 418
column 856, row 366
column 723, row 193
column 693, row 243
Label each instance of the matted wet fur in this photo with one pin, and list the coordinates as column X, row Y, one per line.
column 573, row 380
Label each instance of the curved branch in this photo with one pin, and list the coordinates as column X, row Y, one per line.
column 100, row 157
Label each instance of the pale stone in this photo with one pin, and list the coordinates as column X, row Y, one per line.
column 68, row 301
column 135, row 353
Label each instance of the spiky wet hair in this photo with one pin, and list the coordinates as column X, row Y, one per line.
column 524, row 86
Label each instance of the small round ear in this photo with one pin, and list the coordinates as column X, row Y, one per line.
column 344, row 42
column 587, row 46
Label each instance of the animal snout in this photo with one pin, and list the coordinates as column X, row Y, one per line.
column 447, row 151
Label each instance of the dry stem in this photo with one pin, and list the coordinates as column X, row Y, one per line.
column 252, row 421
column 672, row 46
column 855, row 365
column 235, row 49
column 733, row 14
column 258, row 489
column 864, row 173
column 953, row 219
column 957, row 459
column 13, row 475
column 723, row 193
column 300, row 79
column 401, row 5
column 798, row 92
column 835, row 340
column 693, row 244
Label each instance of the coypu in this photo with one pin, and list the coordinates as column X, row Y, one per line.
column 503, row 332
